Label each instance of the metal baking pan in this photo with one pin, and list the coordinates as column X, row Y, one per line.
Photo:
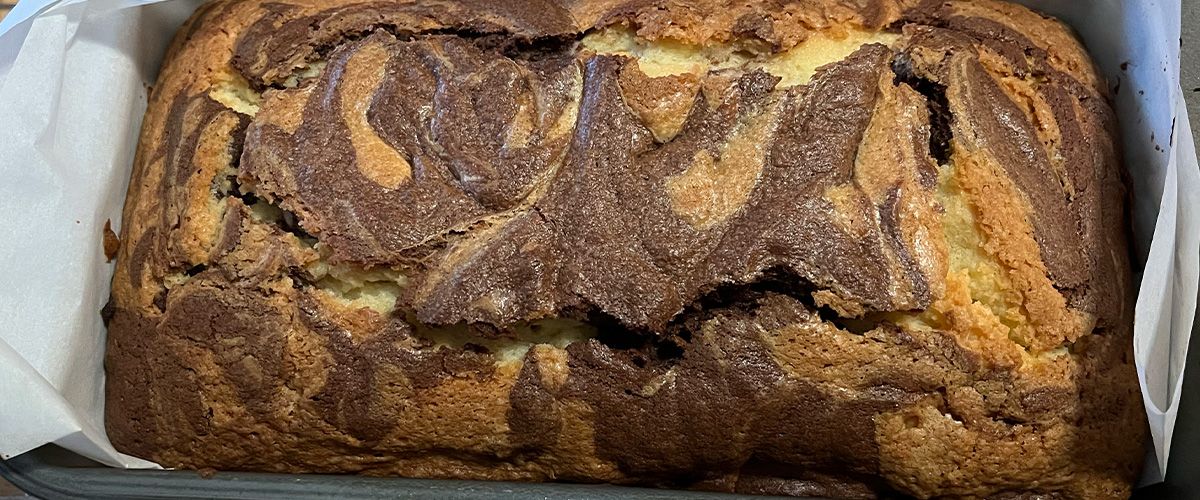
column 51, row 472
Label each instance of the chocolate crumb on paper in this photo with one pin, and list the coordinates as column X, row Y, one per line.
column 111, row 242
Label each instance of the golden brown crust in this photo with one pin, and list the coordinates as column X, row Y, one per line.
column 829, row 248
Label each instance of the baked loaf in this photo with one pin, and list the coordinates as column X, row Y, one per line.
column 831, row 248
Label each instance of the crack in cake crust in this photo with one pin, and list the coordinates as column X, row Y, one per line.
column 843, row 249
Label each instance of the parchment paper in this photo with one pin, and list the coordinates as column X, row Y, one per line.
column 73, row 79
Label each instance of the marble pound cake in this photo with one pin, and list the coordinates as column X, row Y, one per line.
column 848, row 248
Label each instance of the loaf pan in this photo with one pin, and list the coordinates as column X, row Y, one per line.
column 54, row 473
column 51, row 472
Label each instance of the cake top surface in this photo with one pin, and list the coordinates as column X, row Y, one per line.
column 884, row 222
column 514, row 161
